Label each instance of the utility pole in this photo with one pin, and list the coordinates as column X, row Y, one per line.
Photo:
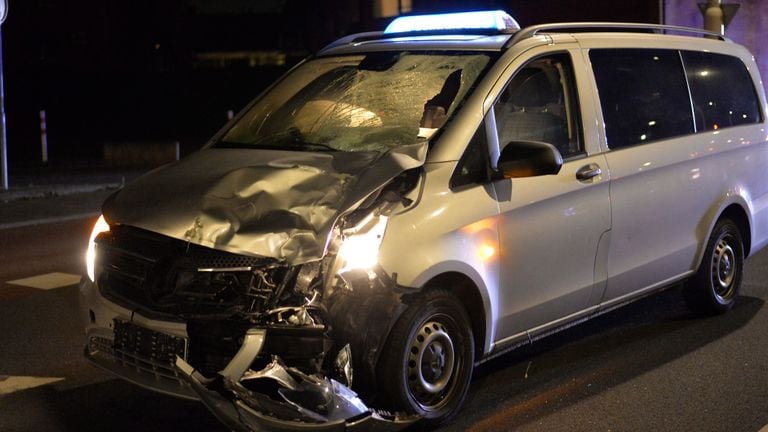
column 3, row 148
column 717, row 16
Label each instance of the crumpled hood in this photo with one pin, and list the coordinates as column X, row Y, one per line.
column 271, row 203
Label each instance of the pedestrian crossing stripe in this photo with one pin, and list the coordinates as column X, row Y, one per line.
column 11, row 384
column 48, row 281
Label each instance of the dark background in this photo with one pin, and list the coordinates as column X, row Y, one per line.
column 108, row 71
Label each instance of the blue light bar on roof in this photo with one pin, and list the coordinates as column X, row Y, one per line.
column 483, row 20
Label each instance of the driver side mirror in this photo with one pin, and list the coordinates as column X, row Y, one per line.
column 529, row 159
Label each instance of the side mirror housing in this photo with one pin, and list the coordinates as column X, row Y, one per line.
column 529, row 159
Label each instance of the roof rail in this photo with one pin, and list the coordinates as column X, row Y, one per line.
column 618, row 26
column 357, row 37
column 377, row 35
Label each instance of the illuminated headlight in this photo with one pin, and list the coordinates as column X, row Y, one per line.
column 90, row 255
column 360, row 247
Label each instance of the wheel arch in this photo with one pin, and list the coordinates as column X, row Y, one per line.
column 738, row 215
column 738, row 210
column 468, row 293
column 714, row 287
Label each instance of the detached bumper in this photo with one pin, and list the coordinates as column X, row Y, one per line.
column 98, row 316
column 238, row 416
column 277, row 397
column 146, row 373
column 296, row 401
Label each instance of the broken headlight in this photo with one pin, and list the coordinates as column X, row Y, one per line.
column 360, row 245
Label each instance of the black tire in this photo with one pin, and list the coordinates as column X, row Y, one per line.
column 715, row 286
column 427, row 362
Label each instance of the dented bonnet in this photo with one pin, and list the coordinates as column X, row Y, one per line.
column 270, row 203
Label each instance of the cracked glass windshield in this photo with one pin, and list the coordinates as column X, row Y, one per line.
column 371, row 102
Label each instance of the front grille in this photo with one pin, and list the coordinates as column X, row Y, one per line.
column 210, row 258
column 158, row 274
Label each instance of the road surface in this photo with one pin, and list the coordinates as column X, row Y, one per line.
column 648, row 366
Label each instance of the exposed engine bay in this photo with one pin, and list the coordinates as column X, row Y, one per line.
column 270, row 344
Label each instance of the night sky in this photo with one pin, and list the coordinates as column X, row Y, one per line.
column 107, row 71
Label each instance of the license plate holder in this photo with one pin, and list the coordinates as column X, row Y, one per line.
column 148, row 344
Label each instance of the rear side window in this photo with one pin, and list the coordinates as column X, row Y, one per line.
column 722, row 90
column 643, row 94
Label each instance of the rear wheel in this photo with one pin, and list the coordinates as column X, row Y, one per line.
column 714, row 288
column 427, row 363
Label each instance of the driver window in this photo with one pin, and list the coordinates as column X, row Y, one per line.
column 539, row 104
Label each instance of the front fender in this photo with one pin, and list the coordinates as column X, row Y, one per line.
column 485, row 290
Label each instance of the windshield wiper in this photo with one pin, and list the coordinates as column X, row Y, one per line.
column 307, row 146
column 292, row 138
column 297, row 140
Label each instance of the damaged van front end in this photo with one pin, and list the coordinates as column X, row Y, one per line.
column 247, row 275
column 267, row 338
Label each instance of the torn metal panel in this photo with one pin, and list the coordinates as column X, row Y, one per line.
column 274, row 371
column 244, row 410
column 342, row 365
column 277, row 204
column 362, row 316
column 252, row 343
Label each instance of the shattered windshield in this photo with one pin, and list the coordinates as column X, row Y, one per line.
column 371, row 102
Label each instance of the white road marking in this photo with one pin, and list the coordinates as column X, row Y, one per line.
column 11, row 384
column 48, row 281
column 49, row 220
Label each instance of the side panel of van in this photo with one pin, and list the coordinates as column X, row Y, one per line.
column 669, row 183
column 550, row 226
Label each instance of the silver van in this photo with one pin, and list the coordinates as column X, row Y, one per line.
column 409, row 203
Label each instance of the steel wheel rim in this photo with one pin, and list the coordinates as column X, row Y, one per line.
column 723, row 269
column 432, row 364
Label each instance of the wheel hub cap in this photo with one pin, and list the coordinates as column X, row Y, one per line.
column 723, row 268
column 430, row 363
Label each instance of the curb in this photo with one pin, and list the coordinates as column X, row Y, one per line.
column 51, row 191
column 49, row 220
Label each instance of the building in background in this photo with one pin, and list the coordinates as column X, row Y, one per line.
column 749, row 26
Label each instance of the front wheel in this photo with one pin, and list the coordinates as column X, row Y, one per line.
column 427, row 363
column 715, row 286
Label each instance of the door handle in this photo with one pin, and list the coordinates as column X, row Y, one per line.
column 588, row 172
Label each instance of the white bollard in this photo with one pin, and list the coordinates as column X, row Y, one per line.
column 43, row 137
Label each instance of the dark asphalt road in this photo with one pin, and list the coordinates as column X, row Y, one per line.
column 651, row 366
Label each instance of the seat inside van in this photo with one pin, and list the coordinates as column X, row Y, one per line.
column 532, row 109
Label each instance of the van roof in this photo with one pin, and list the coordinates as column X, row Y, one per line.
column 381, row 41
